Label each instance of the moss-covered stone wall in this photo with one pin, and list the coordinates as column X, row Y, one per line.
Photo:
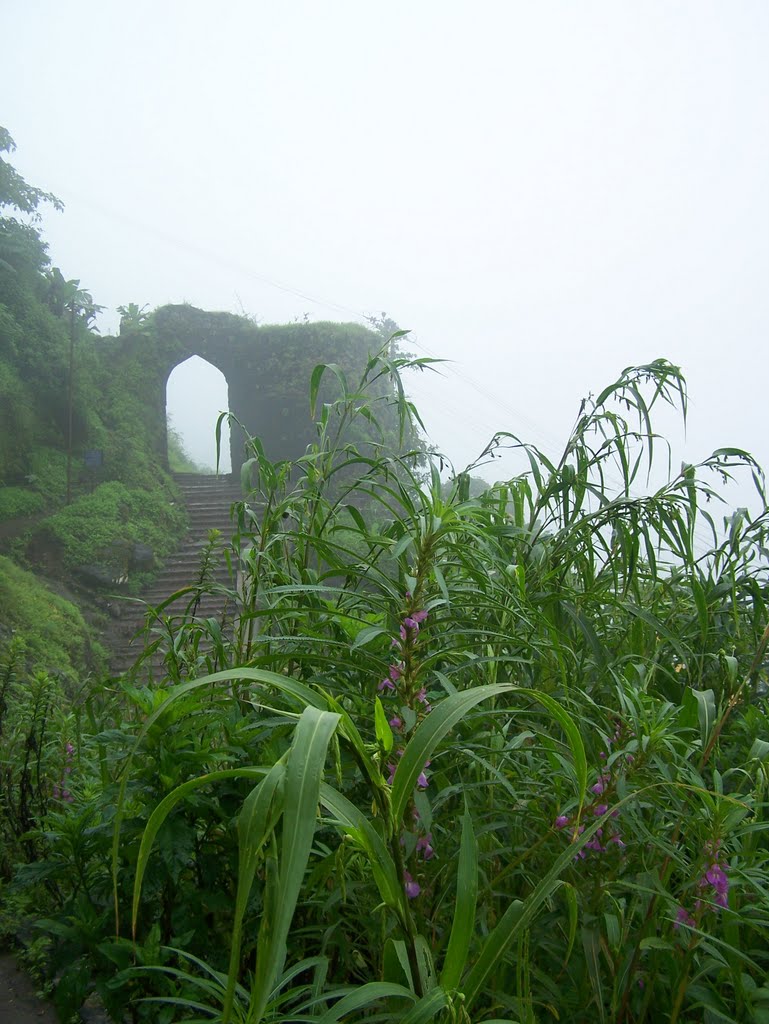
column 267, row 369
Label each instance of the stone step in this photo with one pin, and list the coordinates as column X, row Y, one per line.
column 208, row 502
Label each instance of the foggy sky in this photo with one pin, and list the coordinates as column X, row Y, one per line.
column 544, row 192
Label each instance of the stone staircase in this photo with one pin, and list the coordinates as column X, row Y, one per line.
column 208, row 500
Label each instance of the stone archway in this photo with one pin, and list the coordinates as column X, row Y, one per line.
column 267, row 370
column 196, row 395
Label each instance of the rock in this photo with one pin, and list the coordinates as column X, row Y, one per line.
column 95, row 575
column 142, row 557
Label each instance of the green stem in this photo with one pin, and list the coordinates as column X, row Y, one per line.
column 408, row 919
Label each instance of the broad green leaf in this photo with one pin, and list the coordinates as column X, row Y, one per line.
column 654, row 942
column 256, row 821
column 365, row 635
column 316, row 377
column 426, row 1010
column 689, row 715
column 358, row 826
column 569, row 726
column 450, row 711
column 384, row 734
column 365, row 995
column 425, row 963
column 591, row 944
column 463, row 924
column 303, row 776
column 349, row 731
column 429, row 734
column 759, row 751
column 395, row 963
column 706, row 709
column 570, row 894
column 286, row 684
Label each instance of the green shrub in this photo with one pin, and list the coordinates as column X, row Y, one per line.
column 459, row 759
column 95, row 527
column 16, row 502
column 56, row 637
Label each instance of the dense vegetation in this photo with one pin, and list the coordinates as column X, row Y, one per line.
column 492, row 758
column 488, row 758
column 58, row 515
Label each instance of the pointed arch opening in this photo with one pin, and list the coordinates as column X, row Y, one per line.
column 196, row 393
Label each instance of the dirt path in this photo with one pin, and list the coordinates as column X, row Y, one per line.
column 18, row 1002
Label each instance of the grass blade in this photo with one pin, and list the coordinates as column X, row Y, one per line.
column 463, row 925
column 304, row 772
column 429, row 734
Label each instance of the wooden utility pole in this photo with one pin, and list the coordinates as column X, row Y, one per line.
column 70, row 396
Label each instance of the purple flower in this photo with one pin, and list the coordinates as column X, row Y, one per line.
column 419, row 616
column 395, row 672
column 386, row 684
column 412, row 888
column 422, row 698
column 717, row 878
column 618, row 841
column 683, row 917
column 422, row 781
column 396, row 723
column 391, row 769
column 603, row 780
column 411, row 623
column 600, row 809
column 561, row 821
column 629, row 758
column 424, row 846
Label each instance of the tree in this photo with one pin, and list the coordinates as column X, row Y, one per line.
column 21, row 247
column 14, row 190
column 132, row 317
column 62, row 296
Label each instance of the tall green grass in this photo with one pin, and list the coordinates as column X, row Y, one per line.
column 494, row 758
column 538, row 713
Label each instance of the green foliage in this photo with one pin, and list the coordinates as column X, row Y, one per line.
column 101, row 527
column 14, row 190
column 46, row 472
column 132, row 317
column 501, row 758
column 16, row 502
column 45, row 319
column 56, row 638
column 452, row 753
column 22, row 251
column 597, row 603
